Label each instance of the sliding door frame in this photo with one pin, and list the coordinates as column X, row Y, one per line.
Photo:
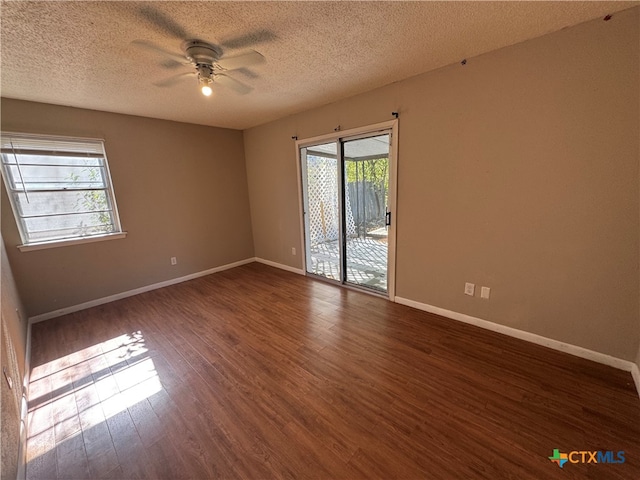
column 339, row 137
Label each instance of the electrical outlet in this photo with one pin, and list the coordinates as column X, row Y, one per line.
column 174, row 260
column 469, row 289
column 485, row 292
column 293, row 250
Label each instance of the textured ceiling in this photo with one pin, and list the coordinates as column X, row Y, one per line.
column 80, row 53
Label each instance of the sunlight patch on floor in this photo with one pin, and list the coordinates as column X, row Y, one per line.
column 76, row 392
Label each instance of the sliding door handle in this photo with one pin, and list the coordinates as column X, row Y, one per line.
column 387, row 219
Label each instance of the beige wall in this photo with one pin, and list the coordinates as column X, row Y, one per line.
column 13, row 343
column 181, row 191
column 518, row 171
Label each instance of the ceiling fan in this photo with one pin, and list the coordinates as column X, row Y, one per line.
column 207, row 60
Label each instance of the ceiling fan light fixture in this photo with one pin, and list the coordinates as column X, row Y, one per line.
column 206, row 89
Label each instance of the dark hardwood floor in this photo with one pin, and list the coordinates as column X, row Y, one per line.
column 259, row 373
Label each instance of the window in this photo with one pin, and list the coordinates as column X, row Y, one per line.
column 60, row 189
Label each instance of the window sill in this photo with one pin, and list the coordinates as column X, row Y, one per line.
column 73, row 241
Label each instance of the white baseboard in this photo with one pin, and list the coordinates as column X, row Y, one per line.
column 635, row 373
column 281, row 266
column 581, row 352
column 111, row 298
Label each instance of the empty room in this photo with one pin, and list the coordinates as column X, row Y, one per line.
column 329, row 240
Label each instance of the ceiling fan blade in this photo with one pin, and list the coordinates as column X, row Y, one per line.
column 232, row 83
column 168, row 82
column 171, row 64
column 163, row 22
column 158, row 49
column 246, row 72
column 241, row 61
column 250, row 39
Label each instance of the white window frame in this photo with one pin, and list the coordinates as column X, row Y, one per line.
column 56, row 146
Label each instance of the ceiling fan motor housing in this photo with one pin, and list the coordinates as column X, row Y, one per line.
column 200, row 52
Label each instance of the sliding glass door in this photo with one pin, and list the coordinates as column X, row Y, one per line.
column 345, row 190
column 322, row 217
column 366, row 187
